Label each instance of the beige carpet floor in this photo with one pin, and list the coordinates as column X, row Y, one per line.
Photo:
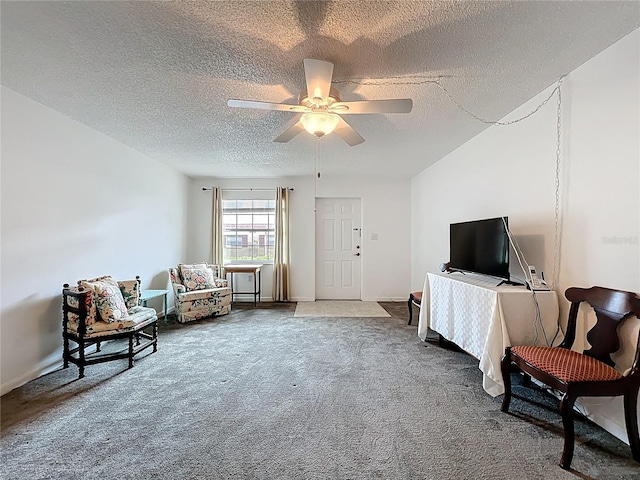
column 340, row 308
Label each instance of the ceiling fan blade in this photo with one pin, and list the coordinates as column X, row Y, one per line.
column 348, row 134
column 397, row 105
column 289, row 133
column 318, row 74
column 266, row 105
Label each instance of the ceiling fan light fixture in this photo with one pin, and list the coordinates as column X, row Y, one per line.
column 321, row 108
column 319, row 123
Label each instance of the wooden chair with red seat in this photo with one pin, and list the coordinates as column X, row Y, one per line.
column 586, row 374
column 415, row 298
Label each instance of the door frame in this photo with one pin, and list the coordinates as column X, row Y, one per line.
column 360, row 220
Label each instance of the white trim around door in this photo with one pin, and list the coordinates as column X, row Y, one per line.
column 338, row 249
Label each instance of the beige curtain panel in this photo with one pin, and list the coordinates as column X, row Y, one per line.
column 281, row 289
column 216, row 227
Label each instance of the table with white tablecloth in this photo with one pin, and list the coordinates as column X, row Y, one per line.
column 482, row 318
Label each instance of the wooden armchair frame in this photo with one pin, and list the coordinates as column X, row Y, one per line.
column 78, row 355
column 589, row 374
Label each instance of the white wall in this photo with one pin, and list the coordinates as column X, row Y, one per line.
column 385, row 211
column 301, row 218
column 75, row 204
column 509, row 170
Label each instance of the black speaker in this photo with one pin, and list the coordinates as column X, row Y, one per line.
column 444, row 267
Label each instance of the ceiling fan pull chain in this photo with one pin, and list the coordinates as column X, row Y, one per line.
column 317, row 175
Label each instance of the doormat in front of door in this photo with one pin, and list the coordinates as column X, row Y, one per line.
column 340, row 308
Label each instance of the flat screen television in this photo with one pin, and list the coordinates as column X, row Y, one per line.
column 480, row 246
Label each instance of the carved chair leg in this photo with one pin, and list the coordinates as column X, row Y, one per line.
column 155, row 337
column 65, row 352
column 505, row 366
column 566, row 410
column 631, row 419
column 410, row 304
column 81, row 360
column 131, row 351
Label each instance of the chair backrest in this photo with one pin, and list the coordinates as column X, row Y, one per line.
column 177, row 282
column 176, row 274
column 611, row 307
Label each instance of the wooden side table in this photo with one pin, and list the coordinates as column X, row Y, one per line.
column 146, row 295
column 257, row 279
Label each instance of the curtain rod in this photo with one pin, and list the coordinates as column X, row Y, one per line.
column 246, row 189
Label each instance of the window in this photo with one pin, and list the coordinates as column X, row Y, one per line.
column 248, row 230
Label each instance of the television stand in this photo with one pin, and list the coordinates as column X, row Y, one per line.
column 482, row 319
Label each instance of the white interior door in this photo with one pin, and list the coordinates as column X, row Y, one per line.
column 338, row 248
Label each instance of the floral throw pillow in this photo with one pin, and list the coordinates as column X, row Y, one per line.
column 197, row 277
column 108, row 298
column 130, row 292
column 183, row 266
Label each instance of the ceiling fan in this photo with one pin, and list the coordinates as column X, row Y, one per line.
column 321, row 108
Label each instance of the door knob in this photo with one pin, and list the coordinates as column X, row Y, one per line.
column 356, row 254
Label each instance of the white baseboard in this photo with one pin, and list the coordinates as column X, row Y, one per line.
column 607, row 423
column 51, row 363
column 249, row 298
column 371, row 299
column 241, row 298
column 386, row 299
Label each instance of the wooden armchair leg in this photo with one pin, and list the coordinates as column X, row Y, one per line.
column 155, row 336
column 130, row 351
column 631, row 419
column 566, row 410
column 81, row 359
column 65, row 352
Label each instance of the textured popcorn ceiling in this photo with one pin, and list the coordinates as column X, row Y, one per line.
column 156, row 76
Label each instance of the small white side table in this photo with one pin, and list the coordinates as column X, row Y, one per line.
column 243, row 268
column 146, row 295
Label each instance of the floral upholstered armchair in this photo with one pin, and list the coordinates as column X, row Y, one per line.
column 199, row 291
